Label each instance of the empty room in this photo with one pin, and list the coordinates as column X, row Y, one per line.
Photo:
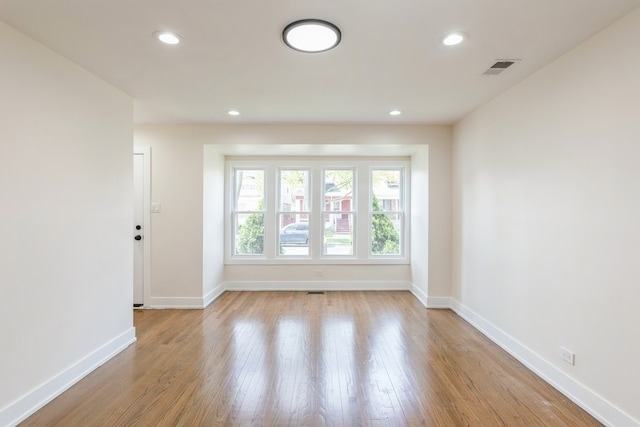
column 320, row 213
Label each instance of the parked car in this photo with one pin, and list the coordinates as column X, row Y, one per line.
column 295, row 234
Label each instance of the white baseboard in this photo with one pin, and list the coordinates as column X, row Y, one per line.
column 594, row 404
column 420, row 295
column 188, row 302
column 430, row 302
column 22, row 408
column 317, row 286
column 199, row 303
column 439, row 302
column 177, row 302
column 213, row 295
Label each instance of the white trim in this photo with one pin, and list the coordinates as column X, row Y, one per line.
column 439, row 302
column 177, row 302
column 188, row 302
column 146, row 274
column 25, row 406
column 430, row 302
column 317, row 286
column 420, row 295
column 256, row 286
column 603, row 410
column 213, row 295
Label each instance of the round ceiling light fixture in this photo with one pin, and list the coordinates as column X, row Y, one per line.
column 311, row 35
column 167, row 37
column 453, row 39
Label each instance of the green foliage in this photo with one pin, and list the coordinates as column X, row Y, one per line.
column 385, row 238
column 385, row 177
column 250, row 237
column 342, row 180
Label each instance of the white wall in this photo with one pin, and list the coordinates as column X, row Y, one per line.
column 439, row 176
column 420, row 215
column 177, row 183
column 213, row 224
column 177, row 231
column 546, row 209
column 66, row 142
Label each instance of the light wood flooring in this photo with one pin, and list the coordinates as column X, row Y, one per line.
column 298, row 359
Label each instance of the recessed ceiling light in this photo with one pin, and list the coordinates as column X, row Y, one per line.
column 234, row 113
column 311, row 35
column 395, row 112
column 167, row 37
column 454, row 39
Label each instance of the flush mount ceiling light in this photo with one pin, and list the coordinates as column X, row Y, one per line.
column 453, row 39
column 395, row 112
column 233, row 113
column 311, row 35
column 167, row 37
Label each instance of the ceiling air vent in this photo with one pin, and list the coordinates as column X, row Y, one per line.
column 500, row 66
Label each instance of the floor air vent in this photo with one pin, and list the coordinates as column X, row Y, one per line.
column 315, row 293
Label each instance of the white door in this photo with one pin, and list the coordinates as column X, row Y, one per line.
column 141, row 202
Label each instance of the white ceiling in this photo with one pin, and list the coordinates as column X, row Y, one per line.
column 233, row 57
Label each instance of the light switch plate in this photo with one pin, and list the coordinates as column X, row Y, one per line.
column 155, row 207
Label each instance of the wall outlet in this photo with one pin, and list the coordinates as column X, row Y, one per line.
column 317, row 273
column 567, row 356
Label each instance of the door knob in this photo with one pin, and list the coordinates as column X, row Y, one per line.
column 138, row 237
column 138, row 227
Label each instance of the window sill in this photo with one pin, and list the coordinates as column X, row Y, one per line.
column 323, row 261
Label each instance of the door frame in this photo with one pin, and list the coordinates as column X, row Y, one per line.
column 146, row 271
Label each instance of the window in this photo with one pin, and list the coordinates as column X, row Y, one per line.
column 293, row 212
column 338, row 211
column 312, row 211
column 387, row 219
column 248, row 212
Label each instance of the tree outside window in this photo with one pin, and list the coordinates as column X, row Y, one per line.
column 385, row 239
column 386, row 198
column 250, row 236
column 249, row 214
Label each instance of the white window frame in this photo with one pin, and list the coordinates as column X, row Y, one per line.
column 310, row 212
column 353, row 212
column 401, row 212
column 360, row 209
column 233, row 217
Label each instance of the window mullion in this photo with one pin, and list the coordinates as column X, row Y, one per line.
column 269, row 214
column 317, row 218
column 364, row 201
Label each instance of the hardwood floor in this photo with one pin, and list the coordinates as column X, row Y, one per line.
column 298, row 359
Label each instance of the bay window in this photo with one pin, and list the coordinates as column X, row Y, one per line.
column 317, row 211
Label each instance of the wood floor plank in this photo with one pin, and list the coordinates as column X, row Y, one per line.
column 298, row 359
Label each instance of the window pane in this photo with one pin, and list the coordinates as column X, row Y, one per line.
column 385, row 190
column 249, row 234
column 249, row 190
column 294, row 191
column 293, row 238
column 385, row 234
column 338, row 190
column 338, row 234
